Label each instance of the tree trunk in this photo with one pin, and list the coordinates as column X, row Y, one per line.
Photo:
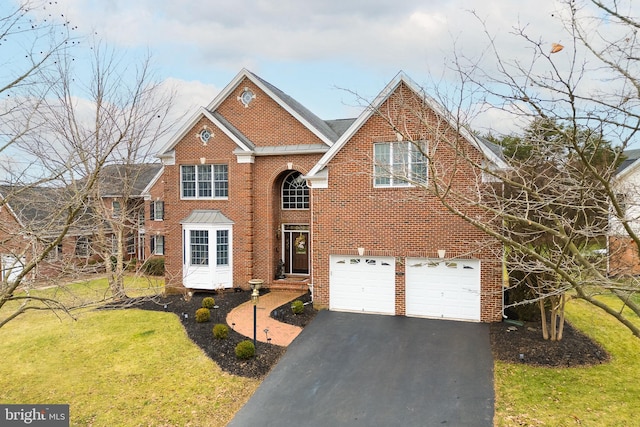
column 543, row 320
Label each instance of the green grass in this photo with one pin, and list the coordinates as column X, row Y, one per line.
column 603, row 395
column 120, row 367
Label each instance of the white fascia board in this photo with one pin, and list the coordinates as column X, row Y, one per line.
column 226, row 131
column 246, row 73
column 167, row 153
column 184, row 129
column 318, row 180
column 245, row 156
column 357, row 124
column 168, row 158
column 628, row 171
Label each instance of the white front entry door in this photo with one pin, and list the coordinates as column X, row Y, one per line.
column 362, row 284
column 447, row 289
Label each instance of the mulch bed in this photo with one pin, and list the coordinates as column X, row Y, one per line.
column 508, row 341
column 223, row 351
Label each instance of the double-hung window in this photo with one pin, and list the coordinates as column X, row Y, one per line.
column 222, row 247
column 199, row 247
column 83, row 246
column 399, row 164
column 204, row 181
column 156, row 211
column 157, row 245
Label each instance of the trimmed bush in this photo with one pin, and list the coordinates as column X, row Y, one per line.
column 208, row 302
column 245, row 350
column 297, row 307
column 203, row 315
column 220, row 331
column 154, row 266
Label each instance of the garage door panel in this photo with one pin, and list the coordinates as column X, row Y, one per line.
column 363, row 284
column 444, row 289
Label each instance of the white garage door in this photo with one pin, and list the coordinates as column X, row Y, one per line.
column 448, row 289
column 11, row 267
column 362, row 284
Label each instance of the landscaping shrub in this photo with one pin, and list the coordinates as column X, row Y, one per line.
column 220, row 331
column 202, row 315
column 154, row 266
column 245, row 350
column 297, row 307
column 208, row 302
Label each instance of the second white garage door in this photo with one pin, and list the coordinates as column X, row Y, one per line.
column 362, row 284
column 447, row 289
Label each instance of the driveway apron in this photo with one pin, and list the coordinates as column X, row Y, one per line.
column 348, row 369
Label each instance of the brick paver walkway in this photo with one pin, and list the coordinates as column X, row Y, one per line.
column 280, row 333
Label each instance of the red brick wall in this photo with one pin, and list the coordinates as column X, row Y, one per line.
column 398, row 222
column 623, row 257
column 254, row 189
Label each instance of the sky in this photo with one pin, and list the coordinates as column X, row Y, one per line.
column 320, row 52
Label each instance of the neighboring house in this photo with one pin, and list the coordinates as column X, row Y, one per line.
column 124, row 190
column 622, row 251
column 258, row 187
column 33, row 216
column 12, row 244
column 30, row 218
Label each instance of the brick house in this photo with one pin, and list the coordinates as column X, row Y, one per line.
column 623, row 257
column 257, row 186
column 33, row 216
column 30, row 218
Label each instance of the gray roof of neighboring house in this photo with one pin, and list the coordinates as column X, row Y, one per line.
column 127, row 180
column 43, row 211
column 496, row 149
column 631, row 157
column 315, row 121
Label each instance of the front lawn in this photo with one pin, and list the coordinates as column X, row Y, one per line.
column 117, row 367
column 602, row 395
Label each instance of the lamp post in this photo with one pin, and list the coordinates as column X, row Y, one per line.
column 255, row 295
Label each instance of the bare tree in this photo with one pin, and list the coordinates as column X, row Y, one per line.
column 560, row 199
column 80, row 126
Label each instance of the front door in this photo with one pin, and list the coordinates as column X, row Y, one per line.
column 296, row 248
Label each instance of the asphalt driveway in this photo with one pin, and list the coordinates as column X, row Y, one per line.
column 348, row 369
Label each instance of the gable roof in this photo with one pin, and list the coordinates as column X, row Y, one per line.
column 402, row 78
column 327, row 131
column 312, row 122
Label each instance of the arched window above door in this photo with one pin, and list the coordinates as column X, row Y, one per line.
column 295, row 193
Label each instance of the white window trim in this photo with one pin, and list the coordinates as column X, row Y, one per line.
column 116, row 212
column 155, row 209
column 395, row 180
column 154, row 239
column 308, row 197
column 213, row 190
